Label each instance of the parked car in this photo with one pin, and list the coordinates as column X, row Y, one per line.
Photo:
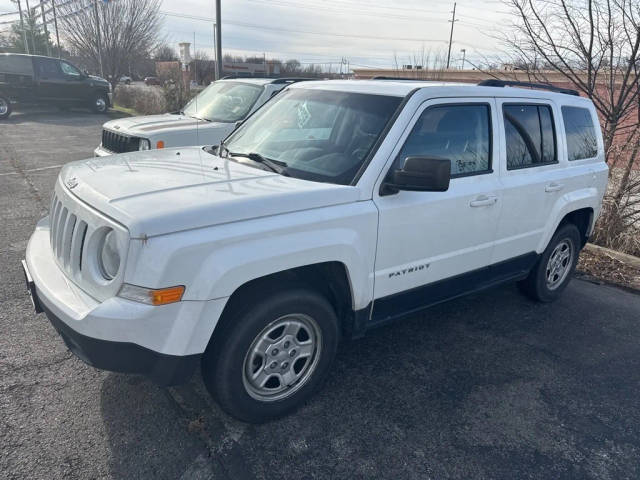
column 208, row 118
column 37, row 80
column 152, row 81
column 338, row 207
column 125, row 79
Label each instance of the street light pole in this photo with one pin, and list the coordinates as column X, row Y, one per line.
column 218, row 39
column 464, row 52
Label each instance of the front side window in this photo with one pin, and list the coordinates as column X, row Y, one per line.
column 69, row 69
column 317, row 135
column 460, row 133
column 224, row 102
column 529, row 135
column 581, row 134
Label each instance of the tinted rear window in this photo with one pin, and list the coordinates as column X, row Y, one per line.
column 16, row 64
column 581, row 133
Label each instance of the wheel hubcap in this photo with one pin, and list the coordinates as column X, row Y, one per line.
column 282, row 358
column 559, row 264
column 101, row 104
column 4, row 106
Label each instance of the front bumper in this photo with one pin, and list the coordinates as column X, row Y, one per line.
column 125, row 357
column 164, row 343
column 110, row 98
column 102, row 152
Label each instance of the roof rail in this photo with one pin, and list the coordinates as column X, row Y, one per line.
column 292, row 80
column 404, row 79
column 492, row 82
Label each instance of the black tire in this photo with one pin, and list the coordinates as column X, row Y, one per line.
column 539, row 285
column 100, row 103
column 5, row 108
column 224, row 362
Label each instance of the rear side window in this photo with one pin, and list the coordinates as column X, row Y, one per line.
column 530, row 136
column 48, row 68
column 460, row 133
column 16, row 64
column 581, row 134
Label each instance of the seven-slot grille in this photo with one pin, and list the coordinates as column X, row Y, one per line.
column 68, row 235
column 118, row 143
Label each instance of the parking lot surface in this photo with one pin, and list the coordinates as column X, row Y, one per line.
column 488, row 386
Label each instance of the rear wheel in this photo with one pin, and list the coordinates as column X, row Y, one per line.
column 5, row 108
column 268, row 359
column 554, row 269
column 100, row 104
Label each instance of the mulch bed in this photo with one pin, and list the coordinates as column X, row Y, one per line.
column 603, row 267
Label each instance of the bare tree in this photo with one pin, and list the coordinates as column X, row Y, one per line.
column 128, row 29
column 164, row 53
column 594, row 45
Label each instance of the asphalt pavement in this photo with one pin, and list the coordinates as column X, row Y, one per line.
column 488, row 386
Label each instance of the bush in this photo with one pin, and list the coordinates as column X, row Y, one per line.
column 144, row 100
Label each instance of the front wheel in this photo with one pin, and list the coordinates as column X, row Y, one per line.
column 5, row 108
column 553, row 271
column 267, row 360
column 100, row 104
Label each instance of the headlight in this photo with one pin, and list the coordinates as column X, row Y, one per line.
column 144, row 144
column 109, row 256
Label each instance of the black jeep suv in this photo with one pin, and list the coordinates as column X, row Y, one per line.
column 32, row 79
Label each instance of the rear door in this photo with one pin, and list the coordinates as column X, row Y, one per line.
column 51, row 85
column 532, row 174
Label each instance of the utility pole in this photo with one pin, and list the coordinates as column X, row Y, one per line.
column 453, row 21
column 95, row 9
column 55, row 23
column 46, row 30
column 24, row 33
column 29, row 17
column 464, row 52
column 219, row 38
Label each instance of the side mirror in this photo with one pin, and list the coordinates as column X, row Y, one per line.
column 420, row 174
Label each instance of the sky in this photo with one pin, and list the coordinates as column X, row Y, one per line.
column 366, row 33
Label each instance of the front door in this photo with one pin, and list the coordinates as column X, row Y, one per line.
column 435, row 245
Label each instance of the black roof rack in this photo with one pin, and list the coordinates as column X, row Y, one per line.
column 292, row 80
column 542, row 86
column 404, row 79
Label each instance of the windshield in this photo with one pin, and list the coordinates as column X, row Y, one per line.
column 224, row 102
column 317, row 135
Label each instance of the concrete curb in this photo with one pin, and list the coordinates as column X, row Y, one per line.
column 623, row 257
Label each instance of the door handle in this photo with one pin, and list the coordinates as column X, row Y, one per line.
column 553, row 187
column 483, row 201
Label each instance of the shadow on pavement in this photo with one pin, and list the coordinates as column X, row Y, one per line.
column 489, row 386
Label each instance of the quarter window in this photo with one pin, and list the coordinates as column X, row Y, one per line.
column 581, row 134
column 530, row 136
column 460, row 133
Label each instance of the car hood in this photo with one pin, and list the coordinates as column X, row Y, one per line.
column 163, row 191
column 153, row 125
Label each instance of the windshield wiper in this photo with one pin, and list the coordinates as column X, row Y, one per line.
column 273, row 165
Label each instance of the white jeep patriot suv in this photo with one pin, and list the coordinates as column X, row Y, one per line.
column 207, row 119
column 337, row 207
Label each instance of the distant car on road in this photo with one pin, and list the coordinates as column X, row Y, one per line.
column 125, row 79
column 37, row 80
column 206, row 120
column 152, row 81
